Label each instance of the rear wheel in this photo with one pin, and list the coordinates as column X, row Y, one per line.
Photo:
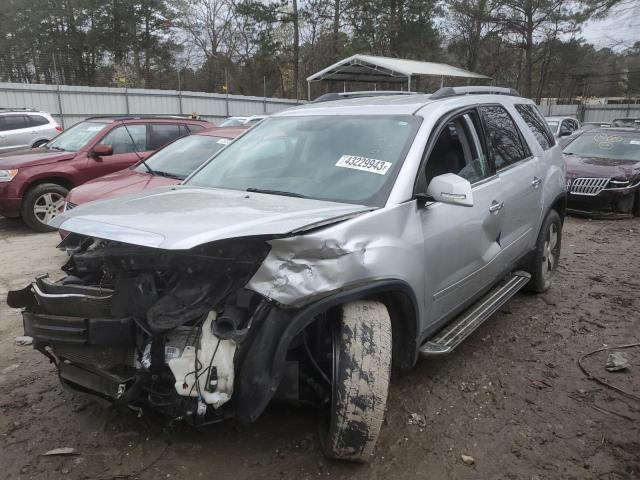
column 547, row 253
column 42, row 204
column 636, row 204
column 361, row 364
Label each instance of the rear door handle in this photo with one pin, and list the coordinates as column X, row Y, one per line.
column 495, row 206
column 536, row 182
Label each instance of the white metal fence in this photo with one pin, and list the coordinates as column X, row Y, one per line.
column 71, row 104
column 593, row 113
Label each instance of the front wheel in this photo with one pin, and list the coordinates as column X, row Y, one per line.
column 547, row 253
column 361, row 371
column 42, row 204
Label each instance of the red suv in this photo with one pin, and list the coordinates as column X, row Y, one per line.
column 35, row 182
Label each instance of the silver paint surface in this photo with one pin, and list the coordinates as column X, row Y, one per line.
column 182, row 217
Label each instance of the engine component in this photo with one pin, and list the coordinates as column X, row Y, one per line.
column 228, row 324
column 193, row 367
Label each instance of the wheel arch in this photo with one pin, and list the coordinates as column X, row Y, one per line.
column 58, row 179
column 262, row 368
column 559, row 204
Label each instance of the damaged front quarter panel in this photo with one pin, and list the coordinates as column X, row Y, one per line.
column 308, row 266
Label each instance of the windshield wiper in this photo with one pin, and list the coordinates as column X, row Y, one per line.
column 168, row 175
column 276, row 192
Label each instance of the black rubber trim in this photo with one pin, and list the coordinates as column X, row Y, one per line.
column 263, row 366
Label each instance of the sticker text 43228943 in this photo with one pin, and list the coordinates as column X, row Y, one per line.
column 363, row 163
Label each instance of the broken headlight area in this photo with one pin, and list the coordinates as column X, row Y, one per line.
column 138, row 325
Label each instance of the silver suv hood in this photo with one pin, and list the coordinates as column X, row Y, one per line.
column 183, row 217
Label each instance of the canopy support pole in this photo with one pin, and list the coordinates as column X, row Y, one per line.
column 442, row 81
column 408, row 83
column 308, row 90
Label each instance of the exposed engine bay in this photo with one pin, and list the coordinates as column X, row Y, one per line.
column 147, row 327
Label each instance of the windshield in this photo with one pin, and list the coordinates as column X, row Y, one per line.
column 180, row 158
column 77, row 136
column 233, row 122
column 618, row 145
column 351, row 159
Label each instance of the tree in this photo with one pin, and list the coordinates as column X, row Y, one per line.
column 525, row 22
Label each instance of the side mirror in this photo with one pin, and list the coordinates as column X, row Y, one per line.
column 450, row 188
column 102, row 151
column 565, row 133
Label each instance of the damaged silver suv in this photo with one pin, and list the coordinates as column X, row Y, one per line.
column 326, row 245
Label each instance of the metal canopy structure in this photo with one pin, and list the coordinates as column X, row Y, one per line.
column 373, row 69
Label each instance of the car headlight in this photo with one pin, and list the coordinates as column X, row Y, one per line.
column 7, row 175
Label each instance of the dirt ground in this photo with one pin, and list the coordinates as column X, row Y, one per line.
column 512, row 397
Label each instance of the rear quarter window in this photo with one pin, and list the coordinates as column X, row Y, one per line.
column 37, row 120
column 537, row 125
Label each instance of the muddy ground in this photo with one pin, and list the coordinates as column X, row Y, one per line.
column 512, row 397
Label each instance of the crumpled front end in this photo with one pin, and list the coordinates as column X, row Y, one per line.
column 221, row 329
column 147, row 327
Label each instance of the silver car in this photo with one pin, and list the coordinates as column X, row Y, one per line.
column 25, row 128
column 324, row 246
column 565, row 129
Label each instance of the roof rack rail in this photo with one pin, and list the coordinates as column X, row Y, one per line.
column 328, row 97
column 19, row 109
column 133, row 116
column 477, row 90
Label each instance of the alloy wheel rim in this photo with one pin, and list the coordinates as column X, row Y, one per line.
column 48, row 206
column 550, row 252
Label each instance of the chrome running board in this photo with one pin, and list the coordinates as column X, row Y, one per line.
column 460, row 328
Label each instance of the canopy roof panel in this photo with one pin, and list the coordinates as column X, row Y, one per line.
column 369, row 68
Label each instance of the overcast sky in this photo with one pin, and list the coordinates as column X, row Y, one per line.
column 621, row 27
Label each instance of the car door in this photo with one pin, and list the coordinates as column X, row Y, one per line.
column 129, row 143
column 566, row 132
column 521, row 179
column 462, row 244
column 17, row 133
column 3, row 138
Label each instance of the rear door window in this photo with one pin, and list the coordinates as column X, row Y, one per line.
column 127, row 138
column 195, row 127
column 163, row 133
column 504, row 141
column 15, row 122
column 537, row 125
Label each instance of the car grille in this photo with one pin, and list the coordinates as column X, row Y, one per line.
column 588, row 186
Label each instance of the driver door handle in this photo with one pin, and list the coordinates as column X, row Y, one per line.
column 495, row 206
column 536, row 182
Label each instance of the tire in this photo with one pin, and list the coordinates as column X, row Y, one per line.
column 41, row 204
column 547, row 254
column 361, row 372
column 636, row 204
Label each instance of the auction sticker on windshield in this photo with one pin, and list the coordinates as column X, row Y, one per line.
column 363, row 163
